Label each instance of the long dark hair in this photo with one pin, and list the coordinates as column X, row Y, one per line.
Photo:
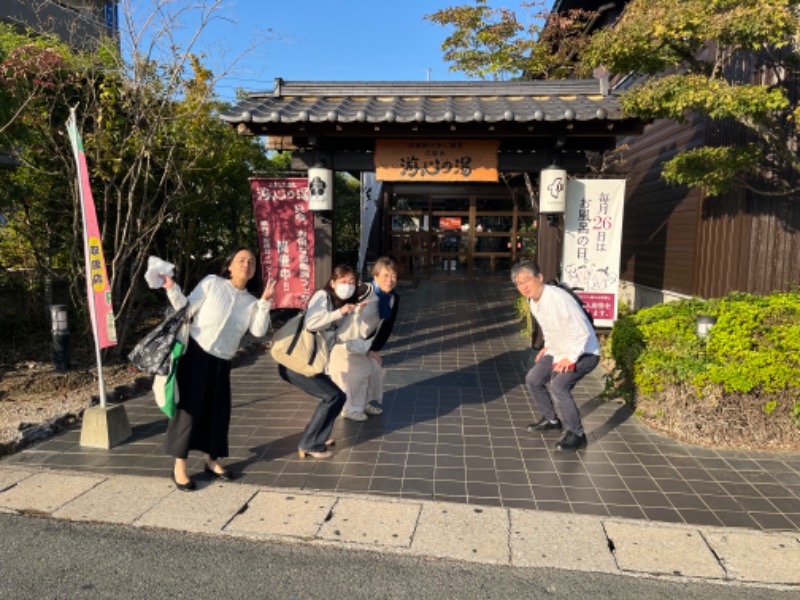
column 338, row 273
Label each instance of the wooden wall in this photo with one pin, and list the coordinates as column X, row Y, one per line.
column 676, row 239
column 660, row 222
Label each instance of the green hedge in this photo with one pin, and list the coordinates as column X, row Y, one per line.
column 754, row 348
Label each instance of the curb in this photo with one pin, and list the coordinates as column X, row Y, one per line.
column 507, row 537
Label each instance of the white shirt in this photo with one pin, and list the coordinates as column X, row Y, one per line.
column 567, row 332
column 222, row 314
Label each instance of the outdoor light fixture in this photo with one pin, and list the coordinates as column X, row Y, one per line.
column 704, row 325
column 320, row 188
column 552, row 190
column 60, row 347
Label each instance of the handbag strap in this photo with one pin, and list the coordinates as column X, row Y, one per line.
column 297, row 333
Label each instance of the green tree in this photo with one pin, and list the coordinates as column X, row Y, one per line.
column 347, row 219
column 685, row 55
column 688, row 50
column 500, row 44
column 167, row 176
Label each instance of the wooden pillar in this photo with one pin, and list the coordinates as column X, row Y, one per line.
column 550, row 246
column 323, row 248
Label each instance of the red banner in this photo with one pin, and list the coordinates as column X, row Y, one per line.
column 285, row 229
column 97, row 288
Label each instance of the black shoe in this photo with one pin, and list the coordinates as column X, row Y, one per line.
column 226, row 475
column 545, row 425
column 571, row 442
column 184, row 487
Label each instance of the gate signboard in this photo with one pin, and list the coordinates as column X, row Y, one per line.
column 436, row 160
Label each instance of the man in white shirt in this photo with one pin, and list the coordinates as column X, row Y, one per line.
column 570, row 352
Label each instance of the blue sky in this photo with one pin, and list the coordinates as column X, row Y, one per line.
column 326, row 40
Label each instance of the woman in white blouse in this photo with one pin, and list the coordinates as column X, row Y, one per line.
column 223, row 310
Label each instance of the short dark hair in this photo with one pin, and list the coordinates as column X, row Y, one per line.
column 384, row 262
column 525, row 265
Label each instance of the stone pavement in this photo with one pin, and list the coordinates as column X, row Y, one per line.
column 449, row 470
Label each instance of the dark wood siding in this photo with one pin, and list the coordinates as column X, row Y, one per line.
column 678, row 240
column 660, row 234
column 746, row 242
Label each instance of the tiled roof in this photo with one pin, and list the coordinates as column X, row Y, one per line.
column 428, row 102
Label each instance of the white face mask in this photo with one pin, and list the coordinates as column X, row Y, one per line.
column 344, row 290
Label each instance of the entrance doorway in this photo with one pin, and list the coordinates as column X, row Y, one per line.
column 449, row 233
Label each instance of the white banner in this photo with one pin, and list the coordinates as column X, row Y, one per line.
column 370, row 196
column 592, row 244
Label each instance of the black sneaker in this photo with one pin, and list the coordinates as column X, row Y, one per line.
column 571, row 442
column 545, row 425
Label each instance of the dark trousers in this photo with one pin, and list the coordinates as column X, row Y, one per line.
column 561, row 385
column 331, row 398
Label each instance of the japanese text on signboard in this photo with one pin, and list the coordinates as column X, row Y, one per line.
column 436, row 160
column 592, row 241
column 285, row 228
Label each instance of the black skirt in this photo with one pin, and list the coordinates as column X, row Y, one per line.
column 204, row 410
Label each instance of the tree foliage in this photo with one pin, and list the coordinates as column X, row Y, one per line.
column 168, row 177
column 500, row 44
column 690, row 58
column 687, row 51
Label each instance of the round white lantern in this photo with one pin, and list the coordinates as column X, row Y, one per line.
column 552, row 190
column 320, row 188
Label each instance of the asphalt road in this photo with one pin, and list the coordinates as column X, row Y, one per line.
column 47, row 559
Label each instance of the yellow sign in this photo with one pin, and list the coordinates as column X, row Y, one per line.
column 97, row 265
column 436, row 160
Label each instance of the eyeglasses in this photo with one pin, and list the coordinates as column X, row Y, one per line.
column 522, row 282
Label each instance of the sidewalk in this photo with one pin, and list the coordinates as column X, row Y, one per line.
column 449, row 470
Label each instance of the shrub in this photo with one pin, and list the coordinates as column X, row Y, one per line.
column 752, row 351
column 522, row 311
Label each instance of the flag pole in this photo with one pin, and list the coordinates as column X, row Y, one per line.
column 102, row 427
column 87, row 261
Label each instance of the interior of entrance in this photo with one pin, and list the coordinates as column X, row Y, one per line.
column 447, row 232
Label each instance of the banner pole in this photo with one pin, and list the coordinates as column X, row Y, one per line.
column 90, row 269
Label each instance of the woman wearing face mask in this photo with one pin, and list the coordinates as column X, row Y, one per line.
column 355, row 365
column 326, row 311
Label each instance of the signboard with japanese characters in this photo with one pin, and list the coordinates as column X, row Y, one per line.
column 592, row 244
column 436, row 160
column 285, row 228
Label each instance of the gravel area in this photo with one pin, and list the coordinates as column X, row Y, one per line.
column 33, row 394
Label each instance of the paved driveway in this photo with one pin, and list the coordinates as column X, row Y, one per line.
column 454, row 429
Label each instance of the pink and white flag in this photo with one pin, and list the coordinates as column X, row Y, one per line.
column 97, row 288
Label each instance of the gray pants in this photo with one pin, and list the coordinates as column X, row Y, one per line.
column 561, row 385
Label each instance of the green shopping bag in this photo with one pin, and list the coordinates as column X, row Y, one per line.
column 165, row 387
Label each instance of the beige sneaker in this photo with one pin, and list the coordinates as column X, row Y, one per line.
column 353, row 415
column 373, row 410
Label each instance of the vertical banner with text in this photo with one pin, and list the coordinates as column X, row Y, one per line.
column 97, row 288
column 370, row 196
column 285, row 228
column 592, row 244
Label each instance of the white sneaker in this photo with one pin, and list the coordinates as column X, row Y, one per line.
column 353, row 415
column 373, row 410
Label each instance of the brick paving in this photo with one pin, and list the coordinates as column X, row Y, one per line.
column 454, row 429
